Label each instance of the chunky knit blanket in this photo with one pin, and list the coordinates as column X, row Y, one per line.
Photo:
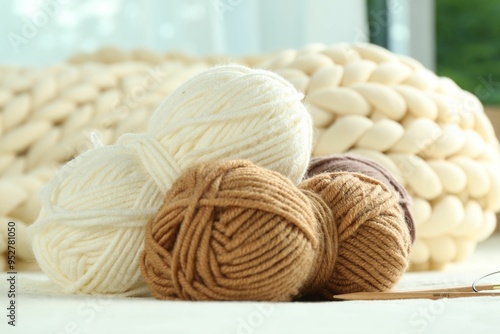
column 433, row 136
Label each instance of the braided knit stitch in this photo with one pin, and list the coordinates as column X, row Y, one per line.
column 431, row 135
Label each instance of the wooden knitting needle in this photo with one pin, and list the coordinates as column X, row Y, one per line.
column 462, row 289
column 424, row 294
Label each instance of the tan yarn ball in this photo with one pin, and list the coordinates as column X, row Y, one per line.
column 230, row 231
column 374, row 242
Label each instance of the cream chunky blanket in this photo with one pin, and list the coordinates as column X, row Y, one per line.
column 433, row 136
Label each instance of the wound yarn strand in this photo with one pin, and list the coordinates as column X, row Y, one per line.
column 218, row 236
column 374, row 242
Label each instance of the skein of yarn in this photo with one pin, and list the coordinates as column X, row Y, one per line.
column 373, row 240
column 356, row 163
column 230, row 230
column 89, row 235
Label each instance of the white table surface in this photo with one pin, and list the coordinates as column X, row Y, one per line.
column 84, row 314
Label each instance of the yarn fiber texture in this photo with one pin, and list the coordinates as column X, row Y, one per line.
column 230, row 230
column 89, row 235
column 356, row 163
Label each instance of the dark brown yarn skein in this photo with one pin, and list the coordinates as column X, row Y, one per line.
column 348, row 162
column 230, row 230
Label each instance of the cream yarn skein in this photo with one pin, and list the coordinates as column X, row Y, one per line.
column 89, row 235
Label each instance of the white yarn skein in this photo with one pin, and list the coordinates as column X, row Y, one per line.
column 89, row 235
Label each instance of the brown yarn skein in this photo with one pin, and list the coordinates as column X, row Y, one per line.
column 230, row 230
column 373, row 241
column 348, row 162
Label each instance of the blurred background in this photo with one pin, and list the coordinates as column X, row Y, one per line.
column 459, row 39
column 455, row 38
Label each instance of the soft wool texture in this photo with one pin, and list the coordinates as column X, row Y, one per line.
column 230, row 230
column 89, row 235
column 359, row 164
